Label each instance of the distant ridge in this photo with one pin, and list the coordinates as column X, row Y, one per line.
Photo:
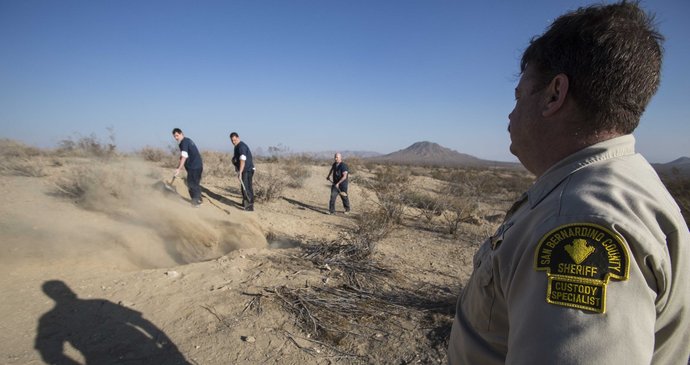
column 679, row 166
column 432, row 154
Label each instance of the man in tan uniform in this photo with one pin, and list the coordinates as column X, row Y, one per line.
column 592, row 265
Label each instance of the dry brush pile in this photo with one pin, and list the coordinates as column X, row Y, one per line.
column 363, row 311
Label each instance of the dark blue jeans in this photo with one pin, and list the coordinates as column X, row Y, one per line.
column 343, row 197
column 247, row 189
column 194, row 184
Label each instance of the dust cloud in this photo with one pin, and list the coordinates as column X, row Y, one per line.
column 116, row 214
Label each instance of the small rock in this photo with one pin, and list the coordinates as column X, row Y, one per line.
column 249, row 339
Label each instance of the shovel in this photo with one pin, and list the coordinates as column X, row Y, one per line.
column 170, row 186
column 340, row 192
column 244, row 191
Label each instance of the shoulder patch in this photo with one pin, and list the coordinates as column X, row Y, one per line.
column 579, row 260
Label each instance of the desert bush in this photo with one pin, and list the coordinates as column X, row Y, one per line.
column 456, row 211
column 460, row 203
column 22, row 166
column 374, row 224
column 87, row 146
column 218, row 164
column 268, row 183
column 297, row 171
column 390, row 187
column 430, row 206
column 95, row 186
column 11, row 149
column 353, row 164
column 19, row 159
column 152, row 154
column 488, row 183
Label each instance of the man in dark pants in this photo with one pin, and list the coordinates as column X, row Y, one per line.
column 190, row 158
column 339, row 187
column 244, row 166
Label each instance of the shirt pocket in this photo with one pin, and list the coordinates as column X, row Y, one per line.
column 479, row 295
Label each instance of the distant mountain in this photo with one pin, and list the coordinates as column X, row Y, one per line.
column 430, row 153
column 679, row 166
column 683, row 161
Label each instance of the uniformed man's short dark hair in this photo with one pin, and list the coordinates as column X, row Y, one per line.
column 612, row 57
column 177, row 130
column 234, row 134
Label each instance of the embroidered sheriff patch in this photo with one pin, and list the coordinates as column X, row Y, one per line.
column 579, row 260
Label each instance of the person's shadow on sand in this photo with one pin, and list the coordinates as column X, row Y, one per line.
column 104, row 332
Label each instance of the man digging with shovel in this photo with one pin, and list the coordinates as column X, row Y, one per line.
column 244, row 166
column 339, row 187
column 190, row 158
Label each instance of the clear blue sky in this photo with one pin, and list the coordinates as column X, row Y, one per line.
column 310, row 75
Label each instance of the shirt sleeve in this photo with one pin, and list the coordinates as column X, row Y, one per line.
column 546, row 325
column 184, row 148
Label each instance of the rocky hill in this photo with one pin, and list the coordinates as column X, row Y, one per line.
column 433, row 154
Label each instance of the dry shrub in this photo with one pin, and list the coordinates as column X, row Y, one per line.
column 95, row 186
column 268, row 183
column 218, row 164
column 296, row 170
column 29, row 167
column 390, row 186
column 15, row 149
column 458, row 210
column 492, row 184
column 152, row 154
column 365, row 313
column 351, row 259
column 429, row 205
column 353, row 165
column 88, row 146
column 21, row 160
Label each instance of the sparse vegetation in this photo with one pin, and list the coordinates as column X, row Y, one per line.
column 296, row 170
column 20, row 159
column 268, row 183
column 152, row 154
column 94, row 186
column 218, row 164
column 679, row 187
column 383, row 291
column 88, row 146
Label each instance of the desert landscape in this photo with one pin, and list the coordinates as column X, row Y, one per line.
column 105, row 262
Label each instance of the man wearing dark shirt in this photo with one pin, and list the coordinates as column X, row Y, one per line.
column 339, row 187
column 244, row 166
column 190, row 158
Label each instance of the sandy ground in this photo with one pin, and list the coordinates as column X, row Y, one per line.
column 134, row 275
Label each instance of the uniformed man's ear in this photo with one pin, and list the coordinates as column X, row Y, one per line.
column 556, row 92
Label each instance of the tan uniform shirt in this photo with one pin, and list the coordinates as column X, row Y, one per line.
column 592, row 268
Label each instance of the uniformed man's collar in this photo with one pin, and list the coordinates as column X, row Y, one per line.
column 615, row 147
